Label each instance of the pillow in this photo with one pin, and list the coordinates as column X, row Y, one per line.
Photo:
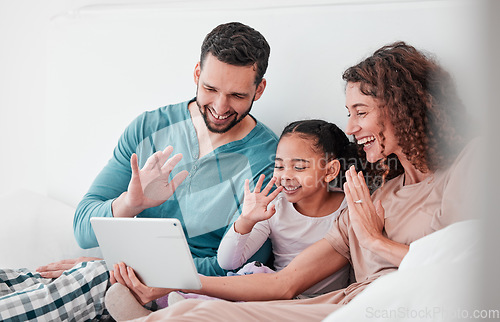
column 453, row 243
column 36, row 230
column 436, row 281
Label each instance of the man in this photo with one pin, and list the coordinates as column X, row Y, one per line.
column 218, row 145
column 220, row 142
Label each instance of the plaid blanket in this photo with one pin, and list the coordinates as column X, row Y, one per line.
column 77, row 295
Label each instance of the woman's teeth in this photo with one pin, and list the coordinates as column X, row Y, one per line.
column 366, row 140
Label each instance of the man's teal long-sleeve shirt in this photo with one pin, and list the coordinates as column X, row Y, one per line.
column 207, row 201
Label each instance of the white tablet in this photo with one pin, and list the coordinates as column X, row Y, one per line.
column 155, row 248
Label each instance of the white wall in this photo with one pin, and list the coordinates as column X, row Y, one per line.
column 73, row 74
column 23, row 35
column 107, row 64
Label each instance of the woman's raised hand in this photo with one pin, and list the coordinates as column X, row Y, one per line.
column 255, row 205
column 366, row 219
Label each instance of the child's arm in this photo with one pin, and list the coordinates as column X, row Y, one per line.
column 239, row 244
column 294, row 279
column 235, row 249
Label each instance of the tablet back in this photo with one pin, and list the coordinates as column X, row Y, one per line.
column 155, row 248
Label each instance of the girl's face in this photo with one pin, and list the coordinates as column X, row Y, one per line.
column 366, row 122
column 300, row 169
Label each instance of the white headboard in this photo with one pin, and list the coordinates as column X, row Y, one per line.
column 107, row 64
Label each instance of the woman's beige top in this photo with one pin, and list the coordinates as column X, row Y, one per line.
column 411, row 212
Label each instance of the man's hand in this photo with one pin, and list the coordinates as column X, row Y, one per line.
column 54, row 270
column 149, row 187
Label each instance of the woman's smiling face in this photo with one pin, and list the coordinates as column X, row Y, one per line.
column 366, row 122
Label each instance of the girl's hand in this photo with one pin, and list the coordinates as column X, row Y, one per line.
column 126, row 276
column 255, row 205
column 367, row 219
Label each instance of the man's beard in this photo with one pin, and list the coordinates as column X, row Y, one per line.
column 204, row 111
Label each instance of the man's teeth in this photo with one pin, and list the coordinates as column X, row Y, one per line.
column 291, row 188
column 366, row 140
column 219, row 117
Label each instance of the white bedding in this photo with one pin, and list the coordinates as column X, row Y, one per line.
column 36, row 230
column 436, row 281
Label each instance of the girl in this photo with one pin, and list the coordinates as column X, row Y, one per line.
column 311, row 155
column 311, row 158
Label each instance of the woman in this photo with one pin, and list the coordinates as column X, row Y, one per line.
column 405, row 115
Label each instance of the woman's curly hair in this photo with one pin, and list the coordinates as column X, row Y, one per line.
column 420, row 100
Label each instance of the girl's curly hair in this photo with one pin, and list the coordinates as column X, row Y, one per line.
column 420, row 100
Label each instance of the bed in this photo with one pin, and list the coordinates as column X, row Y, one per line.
column 437, row 280
column 107, row 64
